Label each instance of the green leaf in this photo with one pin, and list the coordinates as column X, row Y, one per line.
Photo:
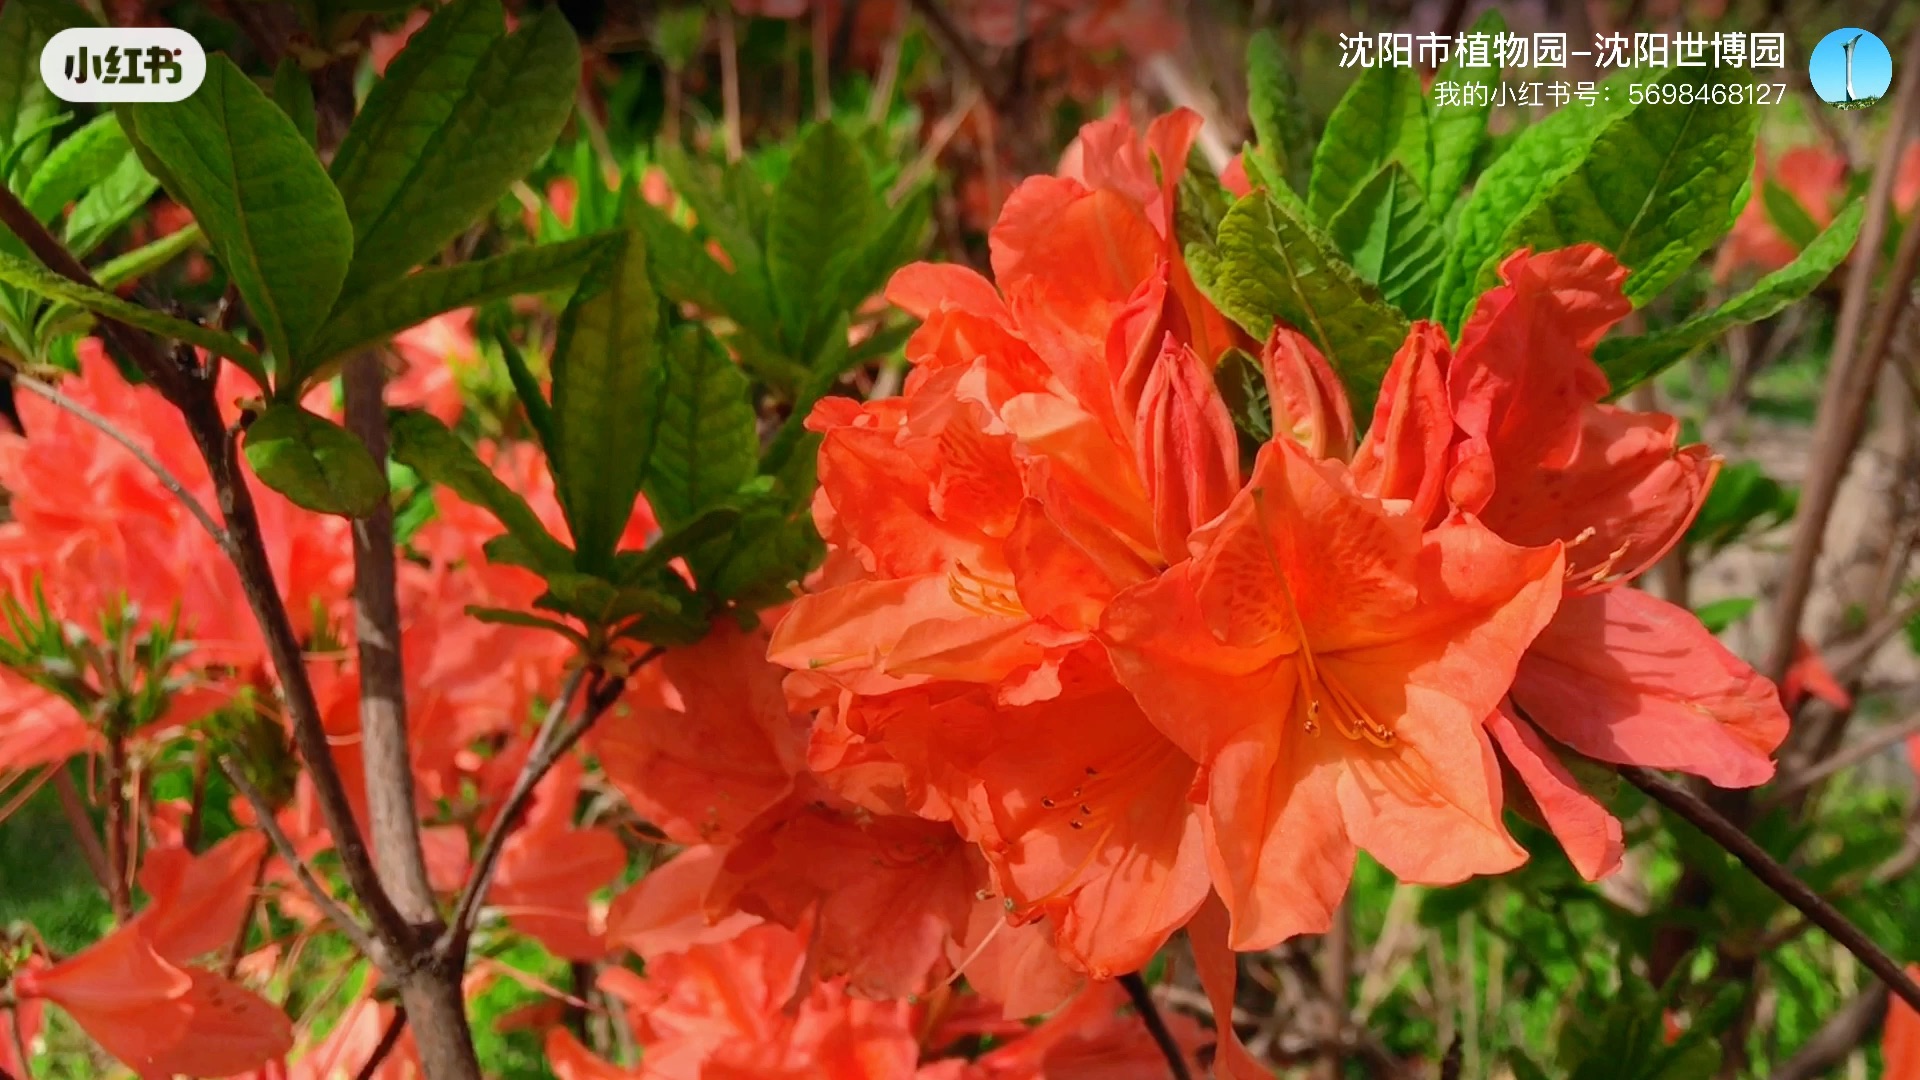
column 705, row 189
column 25, row 102
column 686, row 274
column 820, row 215
column 147, row 258
column 1743, row 499
column 606, row 377
column 1381, row 118
column 1392, row 239
column 1654, row 189
column 1631, row 361
column 461, row 114
column 314, row 462
column 833, row 361
column 108, row 205
column 598, row 602
column 527, row 388
column 513, row 617
column 1787, row 215
column 293, row 92
column 1272, row 265
column 271, row 216
column 893, row 244
column 82, row 160
column 40, row 281
column 423, row 444
column 1459, row 131
column 1720, row 614
column 1539, row 156
column 386, row 311
column 1279, row 117
column 707, row 443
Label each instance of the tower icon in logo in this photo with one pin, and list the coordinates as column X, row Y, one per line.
column 1851, row 68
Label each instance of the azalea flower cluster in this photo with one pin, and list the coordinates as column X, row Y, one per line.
column 1084, row 668
column 1134, row 669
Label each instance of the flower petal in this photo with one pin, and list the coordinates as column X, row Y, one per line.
column 1592, row 836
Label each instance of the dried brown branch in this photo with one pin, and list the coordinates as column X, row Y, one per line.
column 1848, row 756
column 1844, row 1032
column 80, row 823
column 389, row 1039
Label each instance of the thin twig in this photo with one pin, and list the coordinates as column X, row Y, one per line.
column 107, row 427
column 80, row 823
column 1857, row 354
column 393, row 821
column 1143, row 1004
column 1844, row 1032
column 475, row 893
column 197, row 804
column 1869, row 747
column 954, row 42
column 115, row 782
column 237, row 948
column 1776, row 877
column 389, row 1039
column 316, row 892
column 151, row 360
column 191, row 390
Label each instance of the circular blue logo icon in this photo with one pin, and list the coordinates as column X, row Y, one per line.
column 1850, row 68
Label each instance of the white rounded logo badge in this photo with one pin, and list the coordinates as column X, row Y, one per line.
column 134, row 63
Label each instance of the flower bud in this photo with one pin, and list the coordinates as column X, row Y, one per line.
column 1189, row 456
column 1309, row 404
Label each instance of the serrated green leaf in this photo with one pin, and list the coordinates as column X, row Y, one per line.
column 706, row 441
column 1538, row 157
column 271, row 216
column 1457, row 132
column 314, row 462
column 1654, row 189
column 40, row 281
column 423, row 444
column 823, row 371
column 1284, row 141
column 607, row 374
column 1381, row 118
column 1631, row 361
column 462, row 113
column 1392, row 239
column 386, row 311
column 1272, row 265
column 82, row 159
column 1243, row 386
column 108, row 205
column 761, row 560
column 293, row 92
column 821, row 213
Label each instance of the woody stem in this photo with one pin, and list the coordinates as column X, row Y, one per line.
column 1149, row 1010
column 1775, row 876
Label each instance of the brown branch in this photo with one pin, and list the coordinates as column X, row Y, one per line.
column 1851, row 374
column 1872, row 745
column 1774, row 876
column 550, row 743
column 192, row 392
column 152, row 362
column 394, row 823
column 115, row 782
column 955, row 44
column 302, row 873
column 1156, row 1025
column 389, row 1039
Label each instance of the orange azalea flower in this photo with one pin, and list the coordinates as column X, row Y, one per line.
column 549, row 870
column 1331, row 666
column 1816, row 178
column 134, row 992
column 1900, row 1043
